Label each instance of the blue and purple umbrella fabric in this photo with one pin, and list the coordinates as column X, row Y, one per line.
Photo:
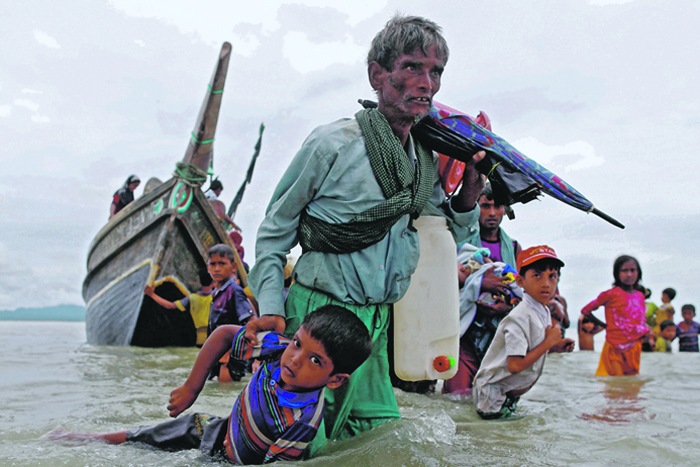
column 514, row 176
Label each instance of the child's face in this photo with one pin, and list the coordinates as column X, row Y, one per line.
column 540, row 285
column 669, row 333
column 305, row 366
column 629, row 273
column 688, row 315
column 220, row 268
column 665, row 299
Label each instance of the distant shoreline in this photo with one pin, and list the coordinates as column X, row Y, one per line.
column 73, row 313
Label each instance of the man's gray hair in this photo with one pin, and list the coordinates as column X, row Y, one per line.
column 403, row 35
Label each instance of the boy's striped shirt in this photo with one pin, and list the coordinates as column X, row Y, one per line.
column 268, row 423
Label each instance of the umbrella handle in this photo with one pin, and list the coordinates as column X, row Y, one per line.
column 604, row 216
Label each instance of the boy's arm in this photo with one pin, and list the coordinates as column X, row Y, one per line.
column 214, row 348
column 150, row 291
column 516, row 364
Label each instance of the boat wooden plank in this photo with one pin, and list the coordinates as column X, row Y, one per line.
column 111, row 318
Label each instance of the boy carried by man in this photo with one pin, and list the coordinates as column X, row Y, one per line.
column 279, row 412
column 515, row 360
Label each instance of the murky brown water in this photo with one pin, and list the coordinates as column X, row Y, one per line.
column 49, row 378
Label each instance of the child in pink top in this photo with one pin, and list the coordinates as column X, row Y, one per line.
column 625, row 320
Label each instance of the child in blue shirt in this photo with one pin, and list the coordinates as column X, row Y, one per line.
column 687, row 330
column 229, row 302
column 278, row 413
column 229, row 305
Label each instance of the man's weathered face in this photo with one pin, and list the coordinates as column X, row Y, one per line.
column 407, row 91
column 491, row 214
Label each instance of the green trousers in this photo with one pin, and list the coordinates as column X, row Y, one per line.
column 367, row 400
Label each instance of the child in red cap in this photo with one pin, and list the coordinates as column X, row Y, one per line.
column 515, row 359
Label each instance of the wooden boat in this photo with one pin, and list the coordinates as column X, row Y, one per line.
column 160, row 239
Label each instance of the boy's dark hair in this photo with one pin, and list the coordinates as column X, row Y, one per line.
column 670, row 293
column 647, row 294
column 344, row 337
column 688, row 306
column 617, row 266
column 222, row 250
column 541, row 266
column 205, row 279
column 667, row 323
column 215, row 185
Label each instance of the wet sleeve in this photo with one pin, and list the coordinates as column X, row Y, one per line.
column 461, row 224
column 277, row 234
column 515, row 338
column 184, row 304
column 241, row 303
column 270, row 344
column 597, row 303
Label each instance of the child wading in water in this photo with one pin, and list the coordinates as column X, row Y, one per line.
column 625, row 319
column 688, row 330
column 280, row 410
column 515, row 359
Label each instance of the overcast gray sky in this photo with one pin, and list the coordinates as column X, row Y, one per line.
column 602, row 92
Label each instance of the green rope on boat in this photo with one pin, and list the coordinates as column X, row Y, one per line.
column 214, row 92
column 201, row 142
column 190, row 174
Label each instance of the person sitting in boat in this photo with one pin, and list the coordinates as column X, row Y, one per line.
column 229, row 305
column 197, row 304
column 124, row 195
column 237, row 241
column 215, row 189
column 279, row 412
column 212, row 194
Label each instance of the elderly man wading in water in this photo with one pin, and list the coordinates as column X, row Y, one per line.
column 349, row 197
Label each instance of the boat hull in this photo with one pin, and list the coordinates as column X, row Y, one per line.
column 152, row 241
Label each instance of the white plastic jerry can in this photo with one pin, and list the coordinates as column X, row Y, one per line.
column 426, row 319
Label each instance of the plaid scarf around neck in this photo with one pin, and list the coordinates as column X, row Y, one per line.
column 407, row 191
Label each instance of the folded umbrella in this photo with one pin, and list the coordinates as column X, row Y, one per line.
column 514, row 177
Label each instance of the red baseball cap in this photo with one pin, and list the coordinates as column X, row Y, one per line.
column 536, row 253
